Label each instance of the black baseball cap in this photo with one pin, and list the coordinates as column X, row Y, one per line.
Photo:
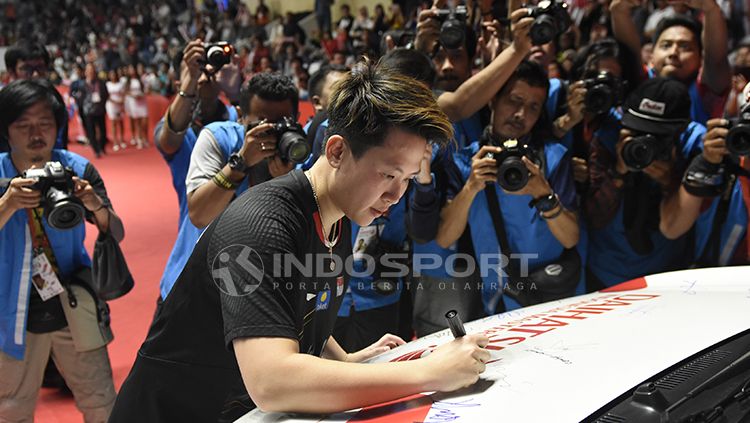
column 658, row 106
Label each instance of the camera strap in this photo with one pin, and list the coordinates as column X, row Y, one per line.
column 497, row 221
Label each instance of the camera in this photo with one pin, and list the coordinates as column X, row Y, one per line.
column 292, row 141
column 603, row 92
column 550, row 20
column 512, row 174
column 218, row 54
column 453, row 29
column 738, row 138
column 62, row 209
column 644, row 149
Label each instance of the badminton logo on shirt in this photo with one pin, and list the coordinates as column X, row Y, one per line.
column 237, row 270
column 324, row 298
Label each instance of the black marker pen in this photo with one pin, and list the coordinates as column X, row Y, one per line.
column 455, row 323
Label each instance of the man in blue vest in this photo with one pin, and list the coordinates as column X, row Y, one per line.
column 539, row 218
column 679, row 53
column 629, row 225
column 715, row 196
column 227, row 159
column 196, row 105
column 39, row 260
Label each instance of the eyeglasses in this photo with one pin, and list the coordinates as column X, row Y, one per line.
column 28, row 70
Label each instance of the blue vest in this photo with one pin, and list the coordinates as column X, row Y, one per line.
column 612, row 259
column 360, row 293
column 732, row 230
column 229, row 136
column 527, row 232
column 179, row 162
column 16, row 256
column 467, row 130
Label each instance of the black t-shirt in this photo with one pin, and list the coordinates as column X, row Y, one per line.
column 186, row 369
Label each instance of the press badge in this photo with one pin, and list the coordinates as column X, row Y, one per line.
column 365, row 237
column 44, row 278
column 95, row 98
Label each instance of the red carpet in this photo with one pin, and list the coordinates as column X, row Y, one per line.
column 140, row 186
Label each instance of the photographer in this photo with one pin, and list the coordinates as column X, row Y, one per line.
column 272, row 347
column 231, row 155
column 196, row 105
column 715, row 197
column 679, row 53
column 211, row 181
column 539, row 217
column 631, row 182
column 41, row 243
column 600, row 88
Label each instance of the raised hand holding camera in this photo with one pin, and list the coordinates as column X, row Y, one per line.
column 260, row 143
column 56, row 184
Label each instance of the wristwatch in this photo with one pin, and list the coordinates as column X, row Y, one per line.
column 237, row 163
column 545, row 204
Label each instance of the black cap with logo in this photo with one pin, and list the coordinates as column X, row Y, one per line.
column 659, row 106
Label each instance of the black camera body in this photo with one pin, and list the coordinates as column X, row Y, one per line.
column 512, row 174
column 738, row 138
column 291, row 140
column 551, row 18
column 218, row 54
column 62, row 209
column 644, row 149
column 453, row 28
column 603, row 92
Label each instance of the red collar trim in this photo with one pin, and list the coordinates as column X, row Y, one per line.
column 319, row 228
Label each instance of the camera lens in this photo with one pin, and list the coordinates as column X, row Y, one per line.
column 599, row 99
column 512, row 174
column 639, row 152
column 63, row 211
column 543, row 30
column 738, row 140
column 293, row 147
column 218, row 56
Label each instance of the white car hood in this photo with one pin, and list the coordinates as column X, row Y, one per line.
column 563, row 360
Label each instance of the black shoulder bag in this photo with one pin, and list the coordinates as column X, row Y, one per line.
column 552, row 282
column 111, row 276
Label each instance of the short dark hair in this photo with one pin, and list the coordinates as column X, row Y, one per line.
column 534, row 75
column 25, row 50
column 412, row 63
column 271, row 87
column 317, row 79
column 20, row 95
column 691, row 24
column 371, row 100
column 529, row 72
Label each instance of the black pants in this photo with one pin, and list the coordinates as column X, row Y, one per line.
column 363, row 328
column 91, row 124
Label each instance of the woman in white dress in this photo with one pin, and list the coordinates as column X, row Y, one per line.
column 136, row 107
column 114, row 105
